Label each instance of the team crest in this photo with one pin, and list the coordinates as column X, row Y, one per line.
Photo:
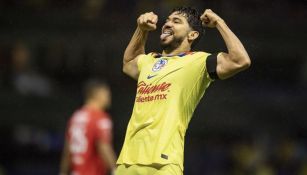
column 159, row 65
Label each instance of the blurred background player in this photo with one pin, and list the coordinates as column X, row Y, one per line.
column 88, row 149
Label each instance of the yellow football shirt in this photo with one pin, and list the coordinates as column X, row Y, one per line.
column 168, row 91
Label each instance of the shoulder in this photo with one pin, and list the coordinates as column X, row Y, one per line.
column 104, row 114
column 200, row 54
column 104, row 122
column 145, row 59
column 197, row 56
column 80, row 115
column 149, row 56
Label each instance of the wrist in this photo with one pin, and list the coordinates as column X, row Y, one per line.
column 220, row 22
column 142, row 31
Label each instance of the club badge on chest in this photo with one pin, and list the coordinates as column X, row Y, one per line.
column 159, row 65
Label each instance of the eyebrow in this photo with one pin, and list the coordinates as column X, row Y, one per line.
column 174, row 18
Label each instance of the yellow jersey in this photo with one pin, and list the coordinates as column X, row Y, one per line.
column 168, row 91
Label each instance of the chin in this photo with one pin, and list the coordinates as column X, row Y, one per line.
column 165, row 44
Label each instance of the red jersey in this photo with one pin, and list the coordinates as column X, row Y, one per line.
column 86, row 127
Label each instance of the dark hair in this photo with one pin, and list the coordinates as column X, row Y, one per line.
column 92, row 85
column 193, row 18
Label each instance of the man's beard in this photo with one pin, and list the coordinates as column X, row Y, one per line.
column 169, row 47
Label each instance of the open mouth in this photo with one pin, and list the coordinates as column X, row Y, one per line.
column 166, row 33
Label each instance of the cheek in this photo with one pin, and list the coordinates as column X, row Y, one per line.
column 181, row 32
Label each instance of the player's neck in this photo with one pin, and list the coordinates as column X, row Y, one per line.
column 93, row 105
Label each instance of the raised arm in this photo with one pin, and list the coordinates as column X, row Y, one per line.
column 136, row 47
column 237, row 59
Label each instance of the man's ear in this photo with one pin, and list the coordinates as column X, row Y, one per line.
column 193, row 35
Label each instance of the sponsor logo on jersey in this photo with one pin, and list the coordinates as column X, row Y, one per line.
column 149, row 92
column 144, row 88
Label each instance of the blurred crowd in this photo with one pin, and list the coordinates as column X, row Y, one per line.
column 18, row 72
column 247, row 156
column 31, row 74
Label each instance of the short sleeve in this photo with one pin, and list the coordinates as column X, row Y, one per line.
column 104, row 130
column 140, row 62
column 144, row 60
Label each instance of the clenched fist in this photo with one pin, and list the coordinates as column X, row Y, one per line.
column 209, row 18
column 148, row 21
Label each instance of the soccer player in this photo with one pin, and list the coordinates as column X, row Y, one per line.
column 170, row 85
column 88, row 149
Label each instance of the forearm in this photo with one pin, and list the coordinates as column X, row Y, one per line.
column 65, row 163
column 111, row 159
column 64, row 170
column 236, row 50
column 136, row 45
column 108, row 155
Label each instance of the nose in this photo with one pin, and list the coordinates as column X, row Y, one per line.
column 167, row 25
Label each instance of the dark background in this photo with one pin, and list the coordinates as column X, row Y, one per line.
column 252, row 124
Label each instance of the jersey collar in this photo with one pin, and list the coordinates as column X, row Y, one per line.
column 182, row 54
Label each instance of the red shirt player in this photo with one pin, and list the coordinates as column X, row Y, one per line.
column 88, row 149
